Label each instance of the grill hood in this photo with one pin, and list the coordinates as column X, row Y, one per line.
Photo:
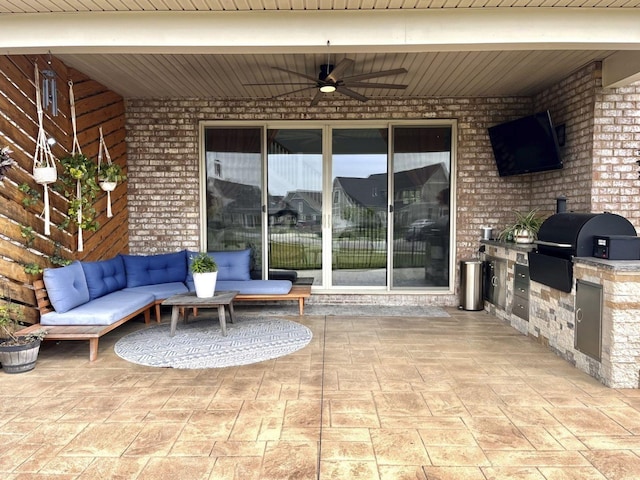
column 566, row 235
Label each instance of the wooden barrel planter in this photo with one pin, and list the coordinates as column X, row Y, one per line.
column 19, row 358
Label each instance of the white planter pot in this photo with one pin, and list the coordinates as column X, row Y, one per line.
column 523, row 236
column 205, row 284
column 44, row 175
column 108, row 186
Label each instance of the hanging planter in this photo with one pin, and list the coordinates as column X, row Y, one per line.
column 109, row 174
column 81, row 189
column 79, row 182
column 45, row 175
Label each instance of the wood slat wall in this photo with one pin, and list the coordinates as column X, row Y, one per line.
column 96, row 106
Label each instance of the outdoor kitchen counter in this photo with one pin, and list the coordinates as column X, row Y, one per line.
column 614, row 265
column 552, row 313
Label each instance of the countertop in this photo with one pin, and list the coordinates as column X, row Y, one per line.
column 613, row 265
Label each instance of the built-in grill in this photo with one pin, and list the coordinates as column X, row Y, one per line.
column 566, row 235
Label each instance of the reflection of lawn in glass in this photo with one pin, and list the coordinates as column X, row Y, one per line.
column 360, row 260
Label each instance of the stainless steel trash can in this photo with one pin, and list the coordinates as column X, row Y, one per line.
column 471, row 285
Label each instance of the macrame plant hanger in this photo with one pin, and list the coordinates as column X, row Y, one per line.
column 106, row 186
column 44, row 167
column 76, row 149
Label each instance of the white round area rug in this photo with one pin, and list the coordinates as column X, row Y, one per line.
column 200, row 344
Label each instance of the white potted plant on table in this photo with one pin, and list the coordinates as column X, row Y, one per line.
column 205, row 273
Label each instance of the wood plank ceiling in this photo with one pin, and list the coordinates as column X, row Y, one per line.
column 212, row 75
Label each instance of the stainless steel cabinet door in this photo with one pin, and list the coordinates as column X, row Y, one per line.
column 588, row 317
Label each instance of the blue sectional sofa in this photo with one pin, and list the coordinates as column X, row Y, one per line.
column 85, row 300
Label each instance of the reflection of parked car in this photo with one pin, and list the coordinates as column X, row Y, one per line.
column 418, row 230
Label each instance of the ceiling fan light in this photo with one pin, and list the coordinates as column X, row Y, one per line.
column 328, row 88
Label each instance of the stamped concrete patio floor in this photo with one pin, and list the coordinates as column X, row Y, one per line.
column 464, row 397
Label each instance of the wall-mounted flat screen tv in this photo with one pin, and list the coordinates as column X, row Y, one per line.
column 526, row 145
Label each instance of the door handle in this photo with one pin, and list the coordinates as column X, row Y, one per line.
column 579, row 315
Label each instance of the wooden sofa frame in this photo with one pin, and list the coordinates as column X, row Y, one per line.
column 297, row 292
column 92, row 333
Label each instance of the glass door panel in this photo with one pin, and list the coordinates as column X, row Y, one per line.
column 421, row 229
column 233, row 173
column 359, row 207
column 294, row 185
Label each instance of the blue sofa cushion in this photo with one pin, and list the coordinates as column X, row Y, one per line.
column 105, row 310
column 253, row 287
column 162, row 290
column 232, row 264
column 66, row 286
column 105, row 276
column 154, row 269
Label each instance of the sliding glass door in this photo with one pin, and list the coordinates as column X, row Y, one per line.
column 294, row 186
column 359, row 207
column 346, row 207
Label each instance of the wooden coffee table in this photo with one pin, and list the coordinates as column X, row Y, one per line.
column 186, row 301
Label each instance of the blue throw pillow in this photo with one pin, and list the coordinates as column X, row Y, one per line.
column 66, row 286
column 233, row 265
column 105, row 276
column 153, row 269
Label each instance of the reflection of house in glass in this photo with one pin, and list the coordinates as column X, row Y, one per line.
column 233, row 204
column 359, row 202
column 300, row 207
column 362, row 202
column 416, row 194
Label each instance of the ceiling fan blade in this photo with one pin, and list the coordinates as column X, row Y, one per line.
column 383, row 73
column 292, row 91
column 339, row 69
column 351, row 93
column 374, row 85
column 317, row 97
column 276, row 83
column 303, row 75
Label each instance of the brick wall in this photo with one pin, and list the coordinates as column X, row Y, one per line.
column 571, row 102
column 163, row 159
column 164, row 173
column 616, row 148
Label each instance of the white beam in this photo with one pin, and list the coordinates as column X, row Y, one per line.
column 620, row 69
column 308, row 31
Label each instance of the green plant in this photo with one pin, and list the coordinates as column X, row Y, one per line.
column 32, row 269
column 27, row 234
column 56, row 258
column 530, row 221
column 78, row 168
column 203, row 263
column 111, row 172
column 10, row 317
column 31, row 196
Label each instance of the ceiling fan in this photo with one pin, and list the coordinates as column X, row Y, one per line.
column 331, row 79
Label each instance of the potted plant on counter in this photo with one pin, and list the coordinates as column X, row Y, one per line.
column 524, row 229
column 205, row 273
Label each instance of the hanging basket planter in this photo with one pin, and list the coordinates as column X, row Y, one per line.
column 45, row 175
column 109, row 173
column 108, row 186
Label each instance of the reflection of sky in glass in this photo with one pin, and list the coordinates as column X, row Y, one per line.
column 358, row 166
column 304, row 172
